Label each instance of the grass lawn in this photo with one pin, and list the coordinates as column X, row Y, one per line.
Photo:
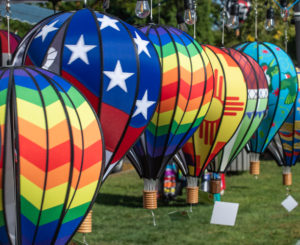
column 119, row 217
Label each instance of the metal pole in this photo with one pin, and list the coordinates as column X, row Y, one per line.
column 297, row 29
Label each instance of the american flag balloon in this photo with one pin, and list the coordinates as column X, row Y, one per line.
column 225, row 113
column 257, row 87
column 187, row 88
column 51, row 157
column 282, row 83
column 112, row 63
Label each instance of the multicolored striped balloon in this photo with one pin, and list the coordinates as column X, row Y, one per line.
column 255, row 110
column 112, row 63
column 282, row 81
column 8, row 45
column 286, row 146
column 187, row 88
column 51, row 162
column 225, row 113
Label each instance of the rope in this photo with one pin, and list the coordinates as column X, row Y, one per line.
column 8, row 30
column 255, row 12
column 223, row 22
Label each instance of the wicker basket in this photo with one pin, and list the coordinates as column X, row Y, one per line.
column 255, row 167
column 192, row 196
column 150, row 200
column 86, row 225
column 287, row 179
column 215, row 186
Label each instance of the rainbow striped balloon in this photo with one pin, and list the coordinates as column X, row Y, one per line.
column 186, row 94
column 51, row 161
column 224, row 115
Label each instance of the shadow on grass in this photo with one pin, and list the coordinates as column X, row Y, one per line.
column 108, row 199
column 239, row 187
column 122, row 200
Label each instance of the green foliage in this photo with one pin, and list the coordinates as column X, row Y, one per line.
column 208, row 24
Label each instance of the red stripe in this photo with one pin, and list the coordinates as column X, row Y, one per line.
column 232, row 98
column 131, row 135
column 233, row 108
column 235, row 103
column 229, row 114
column 169, row 91
column 113, row 123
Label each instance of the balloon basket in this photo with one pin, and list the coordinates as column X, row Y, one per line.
column 287, row 179
column 215, row 186
column 255, row 167
column 150, row 200
column 86, row 225
column 192, row 196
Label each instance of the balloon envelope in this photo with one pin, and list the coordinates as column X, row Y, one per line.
column 225, row 113
column 286, row 146
column 51, row 162
column 282, row 82
column 111, row 62
column 256, row 106
column 187, row 88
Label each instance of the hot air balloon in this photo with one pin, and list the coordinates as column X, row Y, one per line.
column 282, row 82
column 112, row 63
column 51, row 157
column 224, row 116
column 254, row 113
column 8, row 45
column 285, row 147
column 186, row 94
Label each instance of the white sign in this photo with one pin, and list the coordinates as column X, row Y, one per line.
column 224, row 213
column 289, row 203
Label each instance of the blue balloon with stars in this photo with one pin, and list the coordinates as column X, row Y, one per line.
column 113, row 64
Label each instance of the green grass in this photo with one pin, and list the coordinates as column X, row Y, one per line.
column 119, row 218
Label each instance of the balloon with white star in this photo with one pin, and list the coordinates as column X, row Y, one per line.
column 187, row 89
column 114, row 64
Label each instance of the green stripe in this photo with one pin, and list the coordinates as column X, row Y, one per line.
column 1, row 219
column 3, row 95
column 28, row 95
column 51, row 214
column 76, row 212
column 29, row 211
column 163, row 130
column 32, row 213
column 75, row 96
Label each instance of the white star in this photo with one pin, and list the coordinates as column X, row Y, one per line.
column 141, row 44
column 45, row 30
column 143, row 105
column 117, row 77
column 79, row 51
column 108, row 22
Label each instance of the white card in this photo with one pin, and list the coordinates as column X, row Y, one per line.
column 289, row 203
column 224, row 213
